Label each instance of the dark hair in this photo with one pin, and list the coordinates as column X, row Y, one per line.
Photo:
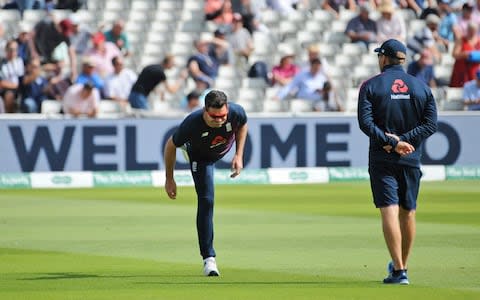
column 88, row 86
column 215, row 99
column 114, row 60
column 193, row 95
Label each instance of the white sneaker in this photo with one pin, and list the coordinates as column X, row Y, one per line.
column 210, row 267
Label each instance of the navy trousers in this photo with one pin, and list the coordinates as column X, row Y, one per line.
column 202, row 173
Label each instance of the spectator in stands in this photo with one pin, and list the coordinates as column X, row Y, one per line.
column 57, row 82
column 466, row 52
column 220, row 12
column 23, row 41
column 422, row 68
column 465, row 18
column 333, row 6
column 73, row 5
column 102, row 54
column 23, row 5
column 390, row 25
column 119, row 84
column 50, row 38
column 118, row 36
column 88, row 74
column 428, row 37
column 307, row 84
column 149, row 78
column 251, row 14
column 81, row 36
column 81, row 100
column 283, row 73
column 448, row 28
column 193, row 101
column 329, row 100
column 11, row 71
column 34, row 85
column 361, row 29
column 313, row 52
column 416, row 6
column 241, row 41
column 219, row 49
column 471, row 93
column 201, row 64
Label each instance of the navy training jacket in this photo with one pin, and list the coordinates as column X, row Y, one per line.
column 398, row 103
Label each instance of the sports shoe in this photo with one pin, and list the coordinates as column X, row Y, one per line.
column 210, row 267
column 390, row 268
column 397, row 277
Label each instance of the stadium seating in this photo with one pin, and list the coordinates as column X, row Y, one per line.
column 156, row 28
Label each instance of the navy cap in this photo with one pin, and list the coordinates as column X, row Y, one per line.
column 392, row 48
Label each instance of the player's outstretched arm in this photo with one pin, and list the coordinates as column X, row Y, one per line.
column 170, row 157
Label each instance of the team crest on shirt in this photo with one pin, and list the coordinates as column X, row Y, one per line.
column 218, row 141
column 205, row 134
column 228, row 126
column 399, row 86
column 400, row 89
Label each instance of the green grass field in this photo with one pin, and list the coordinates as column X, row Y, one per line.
column 272, row 242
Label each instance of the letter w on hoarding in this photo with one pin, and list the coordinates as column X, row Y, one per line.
column 42, row 140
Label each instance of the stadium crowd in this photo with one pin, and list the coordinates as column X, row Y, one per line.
column 79, row 66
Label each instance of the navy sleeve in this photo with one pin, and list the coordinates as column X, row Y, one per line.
column 428, row 124
column 365, row 119
column 182, row 135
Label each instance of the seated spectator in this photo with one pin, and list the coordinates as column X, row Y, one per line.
column 119, row 84
column 11, row 70
column 89, row 75
column 307, row 85
column 149, row 78
column 465, row 18
column 102, row 54
column 118, row 36
column 23, row 41
column 329, row 100
column 220, row 50
column 81, row 100
column 201, row 64
column 471, row 93
column 390, row 25
column 466, row 52
column 193, row 101
column 448, row 28
column 428, row 38
column 284, row 72
column 241, row 41
column 81, row 36
column 57, row 82
column 251, row 14
column 334, row 6
column 313, row 52
column 34, row 85
column 220, row 12
column 422, row 68
column 361, row 29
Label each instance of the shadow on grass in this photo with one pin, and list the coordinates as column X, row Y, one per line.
column 197, row 280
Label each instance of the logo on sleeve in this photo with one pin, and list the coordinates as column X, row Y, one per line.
column 399, row 86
